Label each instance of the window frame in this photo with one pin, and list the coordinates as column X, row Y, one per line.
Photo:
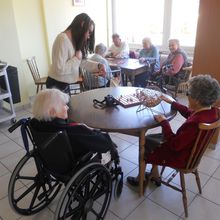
column 112, row 14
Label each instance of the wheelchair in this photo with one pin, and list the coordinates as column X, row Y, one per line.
column 50, row 168
column 167, row 84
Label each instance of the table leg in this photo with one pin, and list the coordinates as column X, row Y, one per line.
column 141, row 162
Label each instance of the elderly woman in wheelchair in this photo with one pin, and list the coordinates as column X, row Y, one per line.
column 64, row 154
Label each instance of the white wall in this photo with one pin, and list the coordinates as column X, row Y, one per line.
column 31, row 37
column 60, row 13
column 9, row 44
column 29, row 27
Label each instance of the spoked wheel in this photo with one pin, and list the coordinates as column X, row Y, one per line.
column 29, row 190
column 81, row 198
column 118, row 186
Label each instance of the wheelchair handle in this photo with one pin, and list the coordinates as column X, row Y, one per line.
column 16, row 125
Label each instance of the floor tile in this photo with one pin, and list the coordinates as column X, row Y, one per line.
column 6, row 211
column 149, row 210
column 8, row 148
column 120, row 206
column 170, row 199
column 127, row 166
column 12, row 160
column 215, row 154
column 4, row 181
column 217, row 173
column 208, row 165
column 128, row 138
column 3, row 169
column 3, row 138
column 211, row 191
column 45, row 214
column 202, row 209
column 122, row 144
column 131, row 154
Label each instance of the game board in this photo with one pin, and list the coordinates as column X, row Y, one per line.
column 147, row 97
column 128, row 100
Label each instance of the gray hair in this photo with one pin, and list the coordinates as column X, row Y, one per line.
column 176, row 41
column 100, row 49
column 45, row 101
column 115, row 35
column 205, row 89
column 147, row 39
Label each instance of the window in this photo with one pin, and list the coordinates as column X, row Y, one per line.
column 184, row 21
column 138, row 20
column 158, row 19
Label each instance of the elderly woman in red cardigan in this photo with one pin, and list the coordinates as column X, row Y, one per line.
column 175, row 148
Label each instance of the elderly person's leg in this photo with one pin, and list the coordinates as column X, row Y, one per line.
column 153, row 141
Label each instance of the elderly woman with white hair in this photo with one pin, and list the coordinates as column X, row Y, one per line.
column 99, row 56
column 50, row 114
column 149, row 53
column 175, row 149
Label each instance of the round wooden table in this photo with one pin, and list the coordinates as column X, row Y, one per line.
column 118, row 119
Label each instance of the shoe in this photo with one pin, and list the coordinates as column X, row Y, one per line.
column 133, row 181
column 156, row 181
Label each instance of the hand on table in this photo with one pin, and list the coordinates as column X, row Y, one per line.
column 166, row 99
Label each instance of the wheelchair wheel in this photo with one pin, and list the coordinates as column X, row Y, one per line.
column 82, row 196
column 118, row 186
column 29, row 190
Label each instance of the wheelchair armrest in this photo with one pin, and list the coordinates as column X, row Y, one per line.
column 86, row 157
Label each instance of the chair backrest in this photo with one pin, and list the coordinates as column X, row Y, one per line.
column 32, row 64
column 90, row 80
column 55, row 151
column 206, row 132
column 116, row 79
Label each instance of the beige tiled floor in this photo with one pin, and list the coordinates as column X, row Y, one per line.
column 157, row 203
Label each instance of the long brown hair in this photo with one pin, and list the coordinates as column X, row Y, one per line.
column 79, row 26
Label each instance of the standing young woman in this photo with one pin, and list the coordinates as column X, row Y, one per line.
column 69, row 53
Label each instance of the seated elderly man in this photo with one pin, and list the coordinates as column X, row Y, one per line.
column 99, row 56
column 149, row 54
column 119, row 49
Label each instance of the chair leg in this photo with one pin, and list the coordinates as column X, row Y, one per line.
column 182, row 181
column 198, row 181
column 37, row 89
column 162, row 170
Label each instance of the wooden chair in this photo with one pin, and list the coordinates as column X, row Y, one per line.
column 90, row 80
column 206, row 132
column 38, row 80
column 182, row 84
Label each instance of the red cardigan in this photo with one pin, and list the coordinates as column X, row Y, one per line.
column 176, row 150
